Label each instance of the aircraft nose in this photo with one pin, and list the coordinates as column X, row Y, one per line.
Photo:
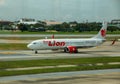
column 29, row 46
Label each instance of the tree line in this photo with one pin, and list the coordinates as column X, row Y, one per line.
column 64, row 27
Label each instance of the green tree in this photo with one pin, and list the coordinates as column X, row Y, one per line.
column 23, row 27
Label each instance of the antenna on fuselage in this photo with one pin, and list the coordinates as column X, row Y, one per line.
column 53, row 36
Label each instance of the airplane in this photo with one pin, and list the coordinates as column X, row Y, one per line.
column 69, row 45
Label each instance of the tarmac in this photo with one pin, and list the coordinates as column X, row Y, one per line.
column 109, row 76
column 80, row 77
column 105, row 50
column 56, row 35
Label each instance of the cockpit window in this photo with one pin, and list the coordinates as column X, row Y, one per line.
column 34, row 43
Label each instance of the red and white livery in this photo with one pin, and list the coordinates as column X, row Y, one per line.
column 69, row 45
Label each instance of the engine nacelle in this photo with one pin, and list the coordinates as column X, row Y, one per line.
column 71, row 49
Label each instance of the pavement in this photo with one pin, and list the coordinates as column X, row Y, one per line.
column 109, row 76
column 105, row 50
column 15, row 41
column 56, row 35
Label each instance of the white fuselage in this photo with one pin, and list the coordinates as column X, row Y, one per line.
column 62, row 43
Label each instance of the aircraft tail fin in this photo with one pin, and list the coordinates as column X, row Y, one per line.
column 102, row 33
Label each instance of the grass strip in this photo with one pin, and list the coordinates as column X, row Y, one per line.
column 13, row 46
column 85, row 32
column 38, row 71
column 35, row 38
column 55, row 62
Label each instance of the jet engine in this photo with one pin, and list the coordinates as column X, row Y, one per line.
column 71, row 49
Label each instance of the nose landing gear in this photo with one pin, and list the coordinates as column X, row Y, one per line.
column 36, row 51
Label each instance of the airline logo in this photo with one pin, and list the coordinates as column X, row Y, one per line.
column 103, row 32
column 54, row 43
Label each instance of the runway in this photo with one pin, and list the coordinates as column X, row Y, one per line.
column 105, row 50
column 109, row 76
column 56, row 35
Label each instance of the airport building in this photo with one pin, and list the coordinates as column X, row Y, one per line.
column 2, row 22
column 52, row 22
column 115, row 21
column 5, row 24
column 33, row 21
column 27, row 21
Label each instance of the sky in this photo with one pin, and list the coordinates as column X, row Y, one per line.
column 60, row 10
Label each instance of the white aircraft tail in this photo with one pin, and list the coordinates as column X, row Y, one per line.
column 102, row 33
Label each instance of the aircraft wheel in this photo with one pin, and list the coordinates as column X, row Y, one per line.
column 76, row 51
column 66, row 50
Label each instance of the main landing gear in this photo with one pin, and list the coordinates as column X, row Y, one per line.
column 71, row 50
